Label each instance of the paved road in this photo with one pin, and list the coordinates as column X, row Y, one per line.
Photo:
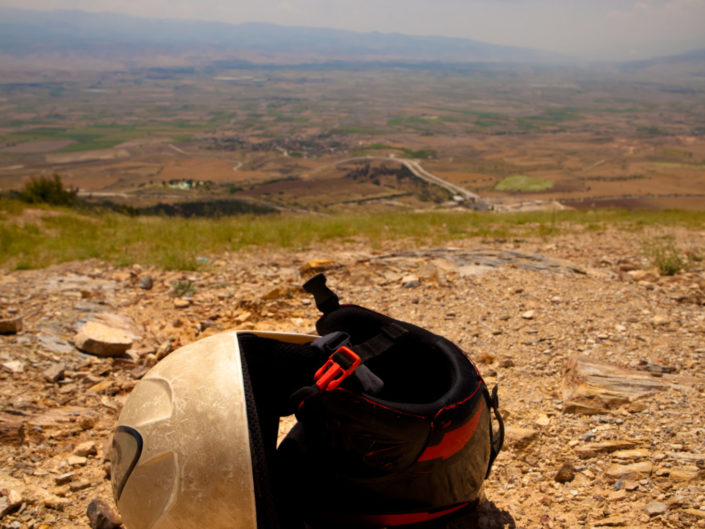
column 423, row 174
column 420, row 172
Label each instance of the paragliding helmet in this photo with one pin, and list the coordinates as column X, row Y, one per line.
column 394, row 427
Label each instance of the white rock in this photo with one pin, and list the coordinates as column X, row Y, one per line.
column 14, row 366
column 410, row 281
column 655, row 507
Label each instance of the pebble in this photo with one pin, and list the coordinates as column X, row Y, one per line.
column 11, row 325
column 182, row 303
column 85, row 449
column 636, row 453
column 630, row 485
column 615, row 520
column 55, row 372
column 77, row 461
column 164, row 349
column 565, row 474
column 650, row 276
column 410, row 281
column 14, row 366
column 542, row 420
column 10, row 501
column 101, row 515
column 659, row 320
column 82, row 484
column 528, row 315
column 63, row 479
column 506, row 363
column 146, row 282
column 520, row 437
column 655, row 507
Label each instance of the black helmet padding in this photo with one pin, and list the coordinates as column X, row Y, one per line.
column 416, row 450
column 422, row 372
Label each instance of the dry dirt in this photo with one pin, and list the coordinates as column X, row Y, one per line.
column 521, row 310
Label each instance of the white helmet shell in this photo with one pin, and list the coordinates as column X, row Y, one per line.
column 181, row 451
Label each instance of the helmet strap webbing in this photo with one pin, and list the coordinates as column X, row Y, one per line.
column 389, row 336
column 496, row 441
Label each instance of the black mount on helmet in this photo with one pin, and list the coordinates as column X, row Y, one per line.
column 326, row 299
column 396, row 427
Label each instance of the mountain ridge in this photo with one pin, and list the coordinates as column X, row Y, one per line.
column 26, row 32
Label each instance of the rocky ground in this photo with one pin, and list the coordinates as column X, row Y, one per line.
column 589, row 444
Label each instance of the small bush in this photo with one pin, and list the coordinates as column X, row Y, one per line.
column 664, row 255
column 694, row 256
column 47, row 190
column 183, row 289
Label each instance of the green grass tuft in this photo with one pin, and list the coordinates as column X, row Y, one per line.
column 664, row 255
column 183, row 288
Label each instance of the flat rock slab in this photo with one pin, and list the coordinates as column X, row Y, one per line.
column 592, row 449
column 80, row 283
column 101, row 340
column 591, row 387
column 54, row 343
column 481, row 260
column 633, row 471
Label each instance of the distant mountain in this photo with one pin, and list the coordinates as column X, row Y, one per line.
column 68, row 35
column 690, row 63
column 688, row 56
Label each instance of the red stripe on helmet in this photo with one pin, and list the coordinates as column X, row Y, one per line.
column 394, row 520
column 454, row 441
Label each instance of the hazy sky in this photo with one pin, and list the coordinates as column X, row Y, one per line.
column 592, row 29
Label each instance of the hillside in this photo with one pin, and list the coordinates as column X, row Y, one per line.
column 537, row 314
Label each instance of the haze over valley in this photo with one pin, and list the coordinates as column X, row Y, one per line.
column 146, row 112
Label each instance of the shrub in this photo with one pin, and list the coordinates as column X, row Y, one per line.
column 183, row 288
column 664, row 255
column 47, row 190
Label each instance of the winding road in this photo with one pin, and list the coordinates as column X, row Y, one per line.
column 419, row 172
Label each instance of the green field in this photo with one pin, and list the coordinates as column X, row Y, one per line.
column 676, row 165
column 524, row 183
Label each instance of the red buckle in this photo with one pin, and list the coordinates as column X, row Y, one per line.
column 332, row 373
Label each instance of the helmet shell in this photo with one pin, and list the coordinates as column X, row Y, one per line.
column 181, row 455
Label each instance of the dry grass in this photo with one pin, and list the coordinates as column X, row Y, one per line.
column 61, row 235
